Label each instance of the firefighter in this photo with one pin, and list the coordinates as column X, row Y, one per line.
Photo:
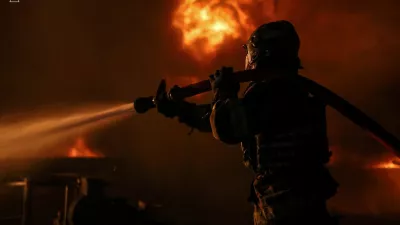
column 280, row 127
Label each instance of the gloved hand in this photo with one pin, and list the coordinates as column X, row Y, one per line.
column 164, row 104
column 223, row 84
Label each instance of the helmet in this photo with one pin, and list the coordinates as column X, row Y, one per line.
column 275, row 44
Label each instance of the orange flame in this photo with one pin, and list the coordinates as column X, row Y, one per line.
column 387, row 165
column 80, row 150
column 206, row 24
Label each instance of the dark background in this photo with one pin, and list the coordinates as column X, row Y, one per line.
column 77, row 52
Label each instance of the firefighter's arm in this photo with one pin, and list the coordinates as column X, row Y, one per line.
column 234, row 120
column 228, row 120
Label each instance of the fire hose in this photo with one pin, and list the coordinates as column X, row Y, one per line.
column 374, row 129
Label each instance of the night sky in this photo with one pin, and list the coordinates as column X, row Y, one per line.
column 74, row 52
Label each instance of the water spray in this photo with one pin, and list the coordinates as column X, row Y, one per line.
column 28, row 137
column 15, row 138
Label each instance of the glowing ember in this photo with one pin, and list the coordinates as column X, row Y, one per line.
column 80, row 150
column 206, row 24
column 386, row 165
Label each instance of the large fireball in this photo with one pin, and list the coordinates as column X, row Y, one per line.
column 206, row 24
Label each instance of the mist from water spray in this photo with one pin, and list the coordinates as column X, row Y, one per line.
column 31, row 136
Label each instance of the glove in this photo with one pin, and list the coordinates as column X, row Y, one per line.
column 166, row 106
column 223, row 84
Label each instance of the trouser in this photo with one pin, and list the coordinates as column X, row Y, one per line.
column 274, row 205
column 292, row 211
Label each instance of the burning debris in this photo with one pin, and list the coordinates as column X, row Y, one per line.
column 81, row 150
column 389, row 164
